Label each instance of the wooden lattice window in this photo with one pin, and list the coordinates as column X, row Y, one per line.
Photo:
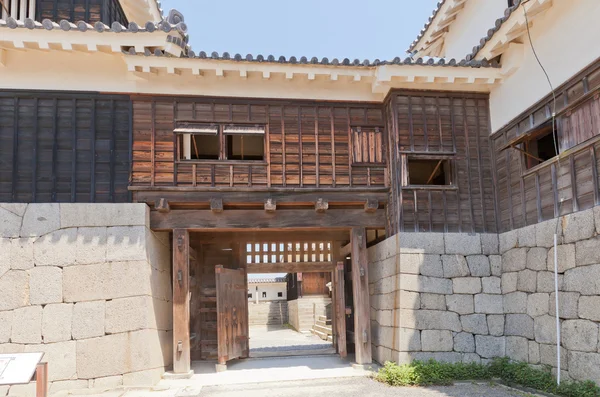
column 367, row 145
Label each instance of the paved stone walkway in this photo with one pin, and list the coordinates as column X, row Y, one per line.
column 275, row 338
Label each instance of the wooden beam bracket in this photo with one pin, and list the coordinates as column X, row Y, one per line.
column 321, row 205
column 270, row 205
column 162, row 205
column 216, row 205
column 371, row 205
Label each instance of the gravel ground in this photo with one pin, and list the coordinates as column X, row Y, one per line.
column 275, row 339
column 359, row 387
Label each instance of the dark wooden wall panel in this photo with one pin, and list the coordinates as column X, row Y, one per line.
column 64, row 147
column 307, row 144
column 90, row 11
column 451, row 125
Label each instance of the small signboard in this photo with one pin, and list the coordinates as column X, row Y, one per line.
column 18, row 368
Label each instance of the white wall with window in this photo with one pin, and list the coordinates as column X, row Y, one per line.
column 263, row 290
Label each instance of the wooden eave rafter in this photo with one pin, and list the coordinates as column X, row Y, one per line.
column 512, row 29
column 438, row 28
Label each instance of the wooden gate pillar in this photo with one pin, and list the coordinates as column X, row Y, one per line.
column 339, row 301
column 360, row 290
column 181, row 301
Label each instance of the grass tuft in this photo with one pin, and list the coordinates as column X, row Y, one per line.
column 419, row 373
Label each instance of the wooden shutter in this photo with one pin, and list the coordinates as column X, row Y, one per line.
column 367, row 145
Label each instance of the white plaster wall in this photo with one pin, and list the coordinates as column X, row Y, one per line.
column 566, row 40
column 471, row 24
column 270, row 288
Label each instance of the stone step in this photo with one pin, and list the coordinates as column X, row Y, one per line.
column 323, row 322
column 325, row 330
column 320, row 334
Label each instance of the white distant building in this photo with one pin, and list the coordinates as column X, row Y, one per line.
column 267, row 289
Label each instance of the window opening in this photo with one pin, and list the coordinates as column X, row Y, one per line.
column 198, row 141
column 264, row 294
column 250, row 296
column 280, row 294
column 429, row 172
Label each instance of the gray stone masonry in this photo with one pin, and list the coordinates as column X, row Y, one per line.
column 89, row 285
column 469, row 297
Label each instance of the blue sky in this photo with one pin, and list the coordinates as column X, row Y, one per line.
column 361, row 29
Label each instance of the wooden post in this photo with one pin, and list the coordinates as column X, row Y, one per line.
column 360, row 289
column 41, row 380
column 339, row 302
column 242, row 264
column 181, row 301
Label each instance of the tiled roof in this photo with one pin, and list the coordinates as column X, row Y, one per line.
column 490, row 33
column 266, row 280
column 81, row 26
column 426, row 26
column 325, row 61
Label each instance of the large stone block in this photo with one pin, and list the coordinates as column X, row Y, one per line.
column 548, row 356
column 514, row 260
column 139, row 312
column 108, row 382
column 437, row 319
column 21, row 253
column 466, row 285
column 596, row 210
column 584, row 366
column 150, row 349
column 430, row 265
column 381, row 335
column 411, row 282
column 527, row 281
column 490, row 346
column 408, row 300
column 56, row 248
column 517, row 348
column 491, row 285
column 27, row 325
column 568, row 303
column 14, row 208
column 409, row 263
column 507, row 241
column 66, row 385
column 462, row 243
column 589, row 307
column 509, row 282
column 479, row 265
column 102, row 215
column 143, row 378
column 538, row 304
column 444, row 357
column 495, row 324
column 587, row 252
column 488, row 304
column 545, row 282
column 526, row 236
column 461, row 304
column 126, row 243
column 109, row 281
column 408, row 340
column 40, row 219
column 515, row 302
column 471, row 358
column 433, row 301
column 455, row 266
column 489, row 244
column 436, row 341
column 6, row 319
column 421, row 243
column 544, row 233
column 5, row 248
column 585, row 279
column 104, row 356
column 88, row 319
column 545, row 329
column 56, row 322
column 45, row 285
column 60, row 357
column 496, row 265
column 519, row 325
column 536, row 258
column 578, row 226
column 566, row 258
column 580, row 335
column 91, row 245
column 10, row 223
column 475, row 324
column 464, row 342
column 14, row 285
column 533, row 352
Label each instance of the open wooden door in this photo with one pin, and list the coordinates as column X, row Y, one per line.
column 232, row 316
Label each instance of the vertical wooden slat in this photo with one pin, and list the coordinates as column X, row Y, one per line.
column 74, row 151
column 468, row 160
column 439, row 121
column 268, row 144
column 445, row 210
column 430, row 211
column 480, row 167
column 34, row 144
column 242, row 263
column 573, row 183
column 300, row 157
column 332, row 145
column 112, row 151
column 508, row 184
column 339, row 299
column 175, row 164
column 181, row 307
column 538, row 198
column 93, row 152
column 87, row 9
column 410, row 124
column 360, row 290
column 349, row 140
column 55, row 146
column 595, row 175
column 15, row 142
column 317, row 166
column 152, row 142
column 195, row 175
column 554, row 189
column 416, row 210
column 130, row 147
column 231, row 176
column 283, row 154
column 425, row 133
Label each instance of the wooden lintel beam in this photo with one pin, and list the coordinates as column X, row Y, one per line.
column 292, row 267
column 162, row 205
column 270, row 205
column 371, row 205
column 260, row 220
column 216, row 205
column 212, row 237
column 346, row 250
column 321, row 205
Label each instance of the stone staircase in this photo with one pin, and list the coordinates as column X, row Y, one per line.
column 323, row 328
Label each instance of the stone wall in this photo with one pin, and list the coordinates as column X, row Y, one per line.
column 304, row 311
column 471, row 297
column 88, row 285
column 268, row 313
